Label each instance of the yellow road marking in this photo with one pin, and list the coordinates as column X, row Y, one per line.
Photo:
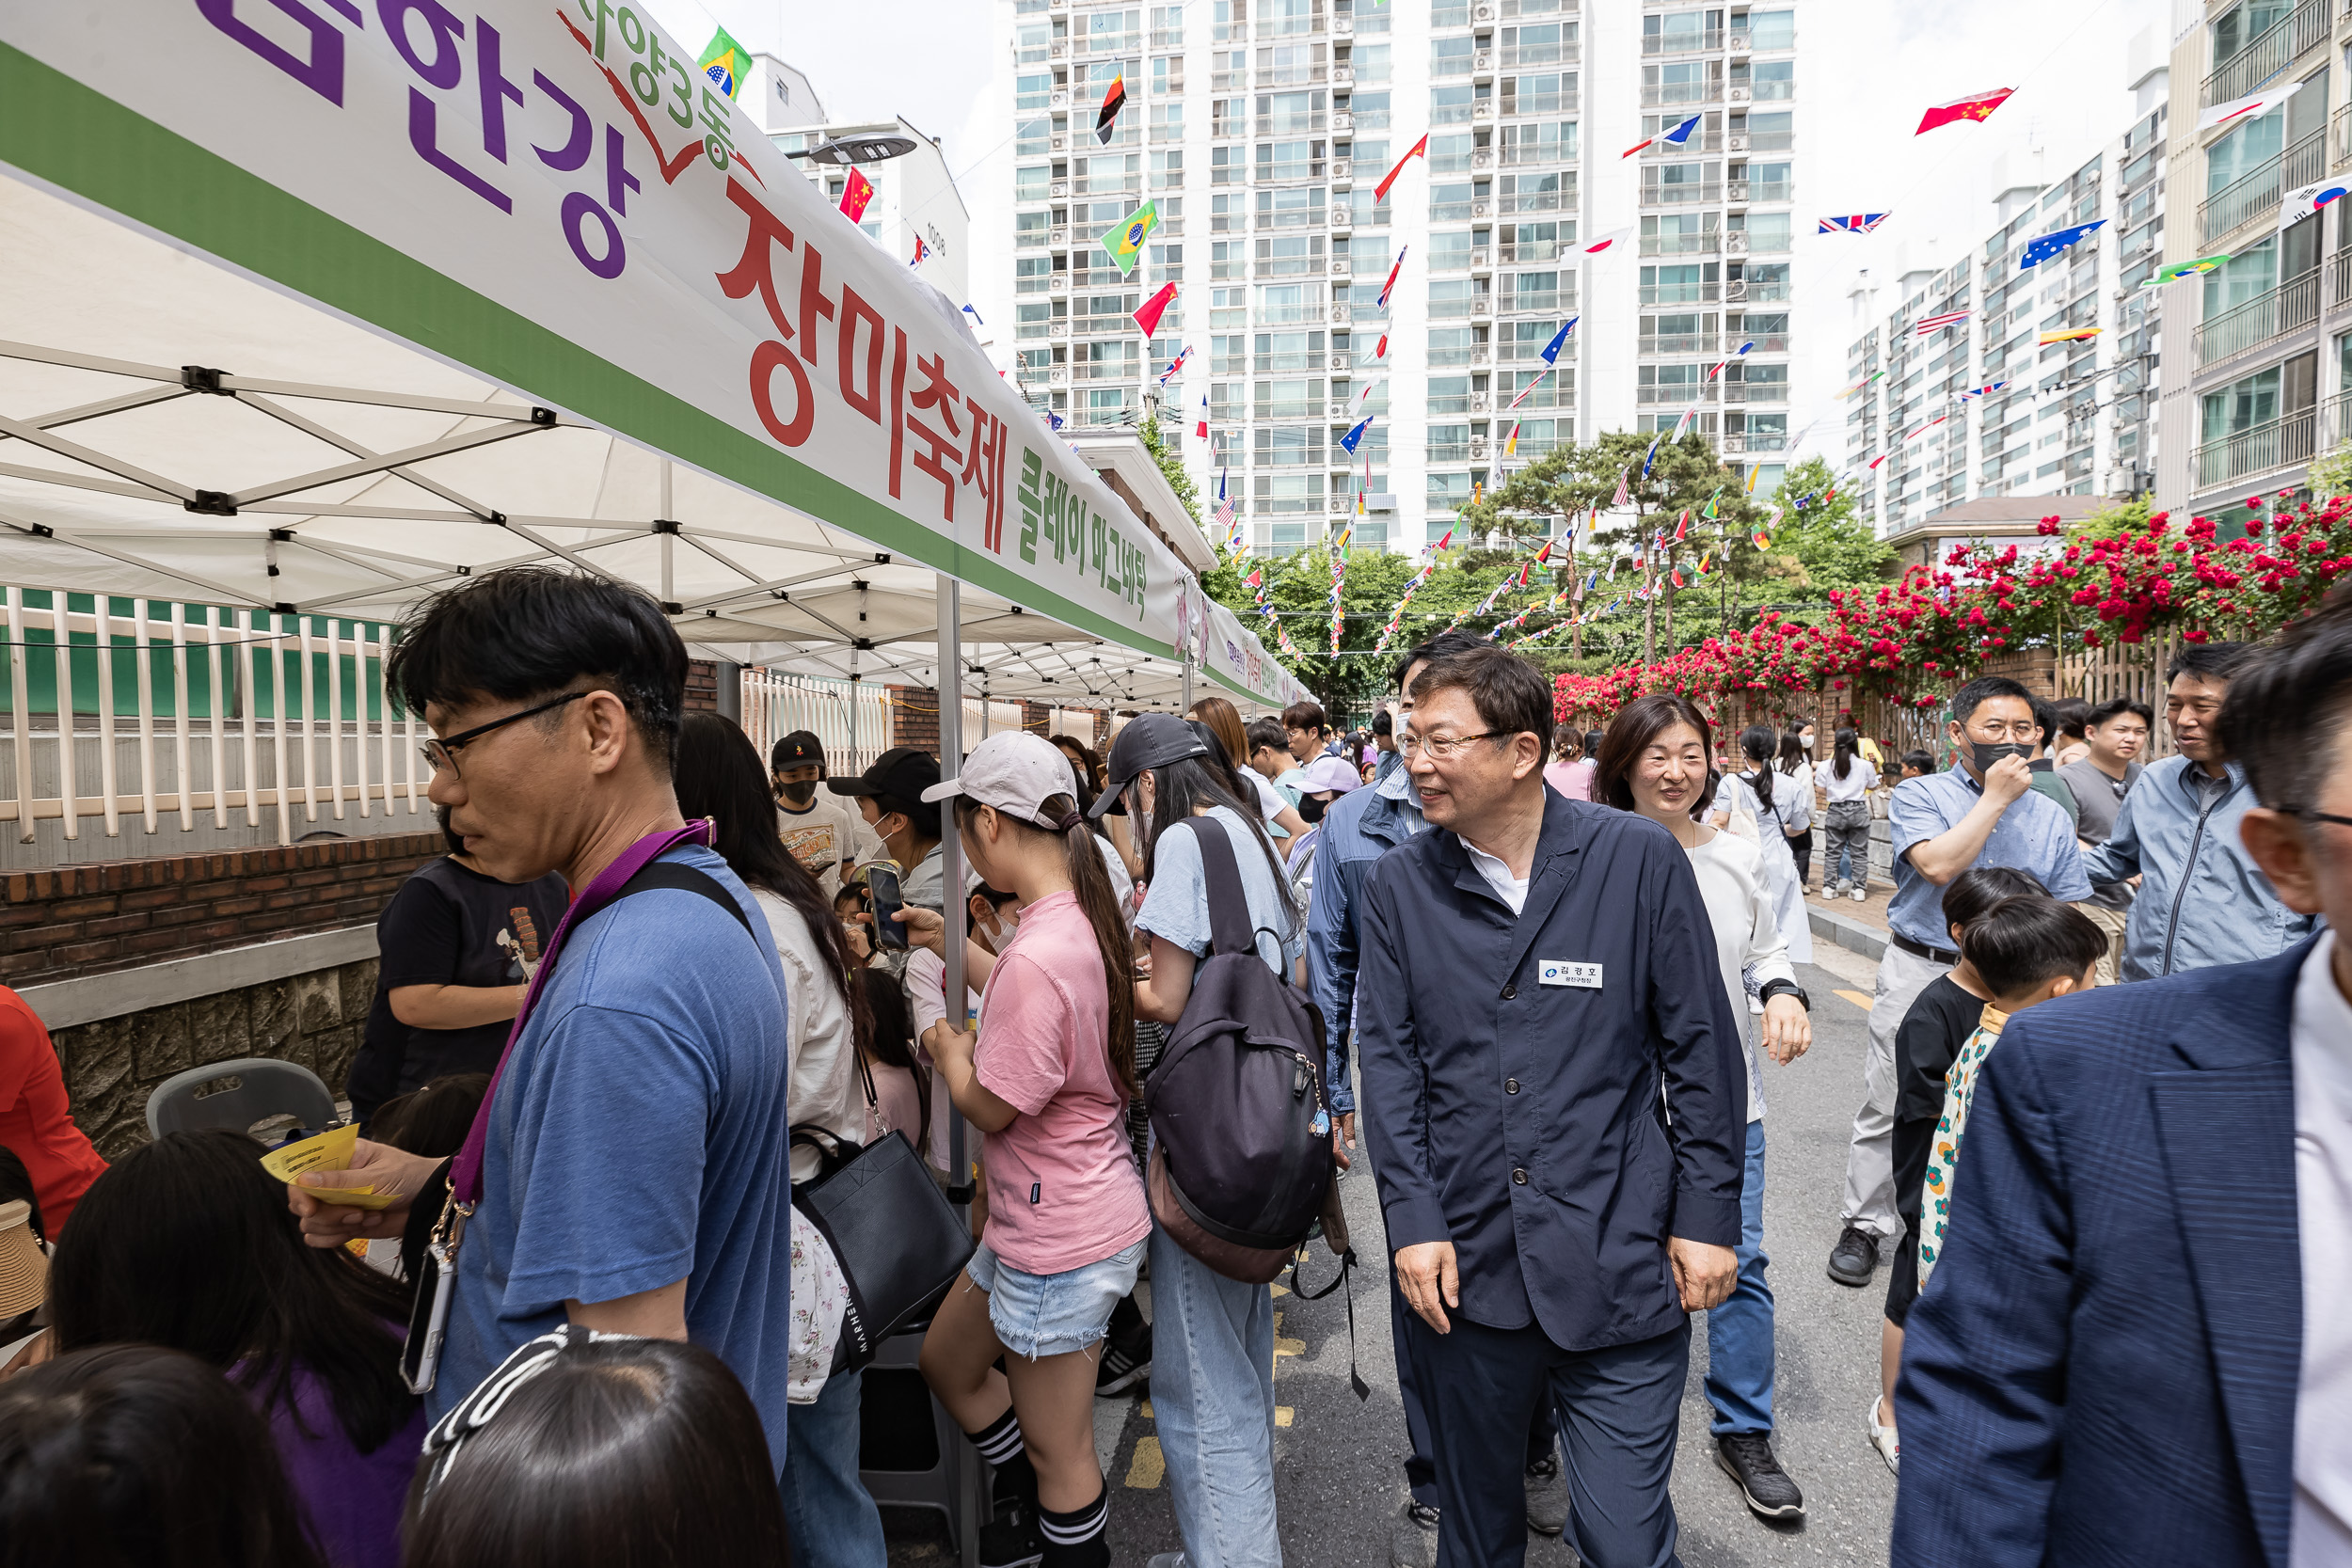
column 1860, row 999
column 1147, row 1410
column 1146, row 1469
column 1281, row 1414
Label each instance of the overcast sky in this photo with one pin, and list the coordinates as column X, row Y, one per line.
column 1866, row 70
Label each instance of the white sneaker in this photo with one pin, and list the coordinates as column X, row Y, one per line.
column 1884, row 1439
column 1861, row 895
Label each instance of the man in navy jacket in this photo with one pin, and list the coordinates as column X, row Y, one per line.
column 1533, row 978
column 2137, row 1347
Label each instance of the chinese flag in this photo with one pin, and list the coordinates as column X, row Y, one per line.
column 1148, row 317
column 1106, row 117
column 855, row 194
column 1976, row 107
column 1420, row 148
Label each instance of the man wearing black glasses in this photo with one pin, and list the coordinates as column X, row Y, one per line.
column 2117, row 732
column 2136, row 1348
column 630, row 1171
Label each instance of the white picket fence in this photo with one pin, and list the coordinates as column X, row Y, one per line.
column 331, row 747
column 850, row 718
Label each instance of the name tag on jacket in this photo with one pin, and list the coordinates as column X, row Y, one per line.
column 1560, row 971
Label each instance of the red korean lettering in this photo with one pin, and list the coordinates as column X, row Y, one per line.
column 942, row 454
column 756, row 267
column 768, row 358
column 984, row 466
column 854, row 310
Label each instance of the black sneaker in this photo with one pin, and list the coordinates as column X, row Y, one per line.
column 1852, row 1258
column 1126, row 1363
column 1746, row 1457
column 1010, row 1540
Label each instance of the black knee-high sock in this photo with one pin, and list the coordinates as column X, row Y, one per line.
column 999, row 1443
column 1075, row 1539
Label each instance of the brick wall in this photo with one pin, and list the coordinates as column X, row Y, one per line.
column 702, row 686
column 914, row 718
column 91, row 919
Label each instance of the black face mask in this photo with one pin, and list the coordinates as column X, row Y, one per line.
column 1310, row 808
column 1987, row 756
column 798, row 795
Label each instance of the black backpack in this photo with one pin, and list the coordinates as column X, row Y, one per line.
column 1242, row 1133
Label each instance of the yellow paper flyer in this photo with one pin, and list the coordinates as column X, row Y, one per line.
column 328, row 1152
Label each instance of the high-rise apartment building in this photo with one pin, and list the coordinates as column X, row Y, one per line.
column 1261, row 129
column 2268, row 358
column 2072, row 417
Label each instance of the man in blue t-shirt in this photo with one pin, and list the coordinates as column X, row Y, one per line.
column 635, row 1174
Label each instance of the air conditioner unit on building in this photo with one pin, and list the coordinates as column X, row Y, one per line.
column 1735, row 190
column 1342, row 26
column 1735, row 443
column 1340, row 362
column 1342, row 123
column 1738, row 95
column 1057, row 284
column 1479, row 262
column 1061, row 144
column 1058, row 376
column 1339, row 504
column 1482, row 209
column 1736, row 144
column 1060, row 98
column 1342, row 76
column 1060, row 329
column 1342, row 219
column 1739, row 43
column 1484, row 158
column 1482, row 402
column 1481, row 112
column 1056, row 238
column 1480, row 308
column 1343, row 315
column 1482, row 63
column 1342, row 269
column 1484, row 11
column 1058, row 51
column 1735, row 245
column 1058, row 190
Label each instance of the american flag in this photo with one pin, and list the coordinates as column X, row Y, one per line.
column 1928, row 325
column 1853, row 222
column 1225, row 511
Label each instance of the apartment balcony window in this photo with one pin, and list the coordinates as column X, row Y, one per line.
column 1766, row 330
column 1450, row 250
column 1545, row 43
column 1105, row 362
column 1691, row 332
column 1035, row 320
column 1450, row 203
column 1229, row 117
column 1293, row 352
column 1370, row 109
column 1451, row 106
column 1771, row 31
column 2260, row 448
column 1536, row 8
column 1447, row 154
column 1450, row 57
column 1538, row 436
column 1449, row 394
column 1451, row 347
column 1283, row 161
column 1682, row 33
column 1228, row 70
column 1033, row 91
column 1033, row 138
column 1448, row 13
column 1032, row 274
column 1680, row 84
column 2256, row 193
column 1765, row 182
column 1290, row 255
column 1114, row 175
column 1167, row 122
column 1167, row 26
column 1286, row 495
column 1757, row 384
column 1763, row 281
column 1536, row 292
column 1762, row 433
column 1291, row 114
column 1372, row 63
column 1229, row 166
column 1284, row 65
column 2260, row 422
column 1103, row 312
column 1557, row 391
column 1524, row 342
column 1550, row 93
column 1765, row 233
column 1288, row 446
column 1680, row 234
column 1107, row 406
column 1279, row 19
column 1168, row 170
column 2292, row 304
column 1029, row 230
column 1683, row 283
column 1291, row 206
column 1768, row 81
column 1033, row 43
column 1551, row 142
column 1771, row 131
column 1446, row 492
column 1681, row 184
column 1363, row 212
column 1290, row 304
column 1448, row 443
column 1456, row 299
column 1532, row 242
column 2256, row 40
column 1536, row 193
column 1671, row 384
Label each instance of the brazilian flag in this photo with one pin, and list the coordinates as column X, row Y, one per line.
column 723, row 62
column 1124, row 240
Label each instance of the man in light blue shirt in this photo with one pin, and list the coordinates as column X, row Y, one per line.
column 2202, row 900
column 1983, row 812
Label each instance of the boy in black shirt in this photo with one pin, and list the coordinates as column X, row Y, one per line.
column 1933, row 1031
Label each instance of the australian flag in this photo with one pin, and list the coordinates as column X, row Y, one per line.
column 1355, row 434
column 1853, row 222
column 2040, row 250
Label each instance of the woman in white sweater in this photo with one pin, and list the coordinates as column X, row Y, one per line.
column 718, row 775
column 1654, row 762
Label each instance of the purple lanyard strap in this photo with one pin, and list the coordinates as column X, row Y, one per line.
column 465, row 1177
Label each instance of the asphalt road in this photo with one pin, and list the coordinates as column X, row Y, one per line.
column 1339, row 1465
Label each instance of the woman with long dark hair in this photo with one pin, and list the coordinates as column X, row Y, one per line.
column 1654, row 764
column 1047, row 1077
column 1847, row 780
column 1233, row 737
column 1796, row 786
column 1213, row 1338
column 131, row 1456
column 718, row 775
column 606, row 1453
column 1754, row 805
column 187, row 1243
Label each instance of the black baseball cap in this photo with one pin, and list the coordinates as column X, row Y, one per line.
column 1149, row 741
column 796, row 749
column 896, row 781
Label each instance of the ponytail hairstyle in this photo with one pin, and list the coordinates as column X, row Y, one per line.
column 1756, row 744
column 1792, row 751
column 1842, row 751
column 1059, row 817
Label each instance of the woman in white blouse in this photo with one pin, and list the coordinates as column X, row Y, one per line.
column 1653, row 762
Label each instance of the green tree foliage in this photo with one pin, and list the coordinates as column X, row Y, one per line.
column 2331, row 475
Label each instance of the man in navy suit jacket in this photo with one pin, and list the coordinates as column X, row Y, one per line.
column 1533, row 1001
column 2138, row 1346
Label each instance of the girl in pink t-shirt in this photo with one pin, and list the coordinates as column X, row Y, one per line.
column 1047, row 1077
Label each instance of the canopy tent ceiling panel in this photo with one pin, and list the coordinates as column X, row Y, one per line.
column 297, row 366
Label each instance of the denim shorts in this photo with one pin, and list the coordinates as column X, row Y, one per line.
column 1052, row 1314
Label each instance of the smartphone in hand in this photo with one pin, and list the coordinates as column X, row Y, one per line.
column 882, row 888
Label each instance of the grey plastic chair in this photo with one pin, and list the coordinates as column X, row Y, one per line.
column 238, row 1094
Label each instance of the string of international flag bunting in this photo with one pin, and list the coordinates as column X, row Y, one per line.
column 1124, row 242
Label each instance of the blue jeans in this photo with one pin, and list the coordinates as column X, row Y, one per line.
column 827, row 1509
column 1213, row 1393
column 1740, row 1332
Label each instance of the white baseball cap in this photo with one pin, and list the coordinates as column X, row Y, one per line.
column 1331, row 774
column 1016, row 772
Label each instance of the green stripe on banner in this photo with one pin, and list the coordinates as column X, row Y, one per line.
column 71, row 136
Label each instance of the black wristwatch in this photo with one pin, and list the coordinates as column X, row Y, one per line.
column 1785, row 987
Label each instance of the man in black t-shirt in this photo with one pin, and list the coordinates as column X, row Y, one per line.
column 455, row 949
